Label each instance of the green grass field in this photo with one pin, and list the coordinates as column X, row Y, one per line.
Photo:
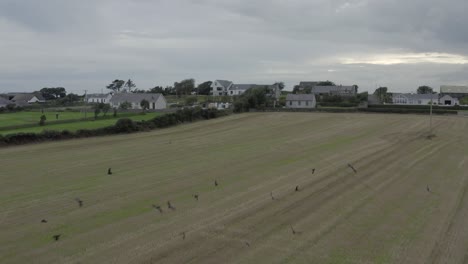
column 24, row 118
column 406, row 203
column 89, row 124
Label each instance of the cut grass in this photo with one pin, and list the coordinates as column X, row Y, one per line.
column 382, row 214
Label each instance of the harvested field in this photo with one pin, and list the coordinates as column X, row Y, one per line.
column 406, row 203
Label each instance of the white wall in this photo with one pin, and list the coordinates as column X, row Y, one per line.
column 300, row 104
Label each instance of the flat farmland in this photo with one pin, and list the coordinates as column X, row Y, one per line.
column 406, row 202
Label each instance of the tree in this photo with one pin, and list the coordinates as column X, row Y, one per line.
column 382, row 94
column 125, row 105
column 280, row 85
column 425, row 90
column 204, row 88
column 129, row 85
column 185, row 87
column 105, row 109
column 144, row 104
column 53, row 93
column 157, row 89
column 42, row 120
column 116, row 85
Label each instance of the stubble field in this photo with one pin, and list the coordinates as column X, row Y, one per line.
column 406, row 203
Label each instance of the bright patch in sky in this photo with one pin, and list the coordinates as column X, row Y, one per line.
column 408, row 58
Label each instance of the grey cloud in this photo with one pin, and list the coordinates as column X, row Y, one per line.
column 85, row 44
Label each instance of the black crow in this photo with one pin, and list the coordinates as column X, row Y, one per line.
column 56, row 237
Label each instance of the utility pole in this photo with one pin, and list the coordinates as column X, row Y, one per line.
column 85, row 101
column 430, row 117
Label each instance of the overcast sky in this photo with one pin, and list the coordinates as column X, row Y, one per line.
column 85, row 44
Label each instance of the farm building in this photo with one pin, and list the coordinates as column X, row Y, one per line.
column 340, row 90
column 300, row 101
column 454, row 91
column 99, row 98
column 156, row 101
column 448, row 100
column 414, row 99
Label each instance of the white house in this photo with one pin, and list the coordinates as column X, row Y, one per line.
column 220, row 87
column 301, row 101
column 156, row 101
column 99, row 98
column 414, row 99
column 448, row 100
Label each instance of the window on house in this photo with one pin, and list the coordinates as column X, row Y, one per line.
column 299, row 103
column 232, row 92
column 219, row 89
column 290, row 102
column 307, row 103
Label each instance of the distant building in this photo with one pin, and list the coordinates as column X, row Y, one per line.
column 220, row 87
column 448, row 100
column 300, row 101
column 414, row 99
column 454, row 91
column 228, row 88
column 238, row 89
column 23, row 99
column 340, row 90
column 99, row 98
column 156, row 101
column 4, row 102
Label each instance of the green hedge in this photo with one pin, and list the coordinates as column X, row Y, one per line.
column 124, row 125
column 392, row 106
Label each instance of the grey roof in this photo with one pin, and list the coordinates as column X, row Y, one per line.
column 4, row 101
column 25, row 97
column 453, row 89
column 97, row 95
column 328, row 89
column 300, row 97
column 224, row 83
column 134, row 97
column 248, row 86
column 417, row 96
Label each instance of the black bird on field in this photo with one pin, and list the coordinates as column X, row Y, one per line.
column 195, row 196
column 351, row 166
column 313, row 170
column 247, row 244
column 157, row 207
column 56, row 237
column 43, row 221
column 169, row 205
column 297, row 188
column 292, row 230
column 216, row 183
column 428, row 189
column 109, row 171
column 183, row 235
column 79, row 201
column 272, row 197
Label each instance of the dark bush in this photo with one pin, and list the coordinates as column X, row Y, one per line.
column 125, row 125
